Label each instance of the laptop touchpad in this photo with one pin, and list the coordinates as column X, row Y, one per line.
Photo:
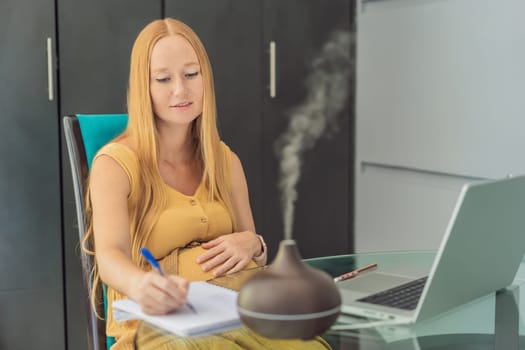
column 373, row 282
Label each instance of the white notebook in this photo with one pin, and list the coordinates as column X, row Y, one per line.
column 216, row 311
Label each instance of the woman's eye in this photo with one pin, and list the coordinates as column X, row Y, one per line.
column 191, row 75
column 162, row 80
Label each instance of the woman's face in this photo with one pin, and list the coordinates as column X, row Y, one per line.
column 175, row 81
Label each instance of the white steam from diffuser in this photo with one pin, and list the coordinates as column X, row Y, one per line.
column 327, row 87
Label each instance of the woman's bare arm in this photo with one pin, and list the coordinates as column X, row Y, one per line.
column 109, row 190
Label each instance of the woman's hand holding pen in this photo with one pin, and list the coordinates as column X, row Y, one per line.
column 229, row 253
column 159, row 294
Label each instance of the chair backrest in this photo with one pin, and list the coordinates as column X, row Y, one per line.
column 85, row 134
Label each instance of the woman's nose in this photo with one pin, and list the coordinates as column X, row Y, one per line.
column 178, row 87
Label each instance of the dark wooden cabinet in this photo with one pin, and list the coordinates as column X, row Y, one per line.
column 87, row 68
column 31, row 281
column 300, row 29
column 237, row 34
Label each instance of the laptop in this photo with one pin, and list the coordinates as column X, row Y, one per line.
column 480, row 253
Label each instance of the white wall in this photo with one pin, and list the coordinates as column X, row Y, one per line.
column 440, row 101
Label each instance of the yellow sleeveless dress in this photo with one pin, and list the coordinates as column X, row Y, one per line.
column 186, row 219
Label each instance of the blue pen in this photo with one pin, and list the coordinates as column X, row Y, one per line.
column 153, row 262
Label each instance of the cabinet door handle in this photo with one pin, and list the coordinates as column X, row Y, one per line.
column 272, row 69
column 50, row 87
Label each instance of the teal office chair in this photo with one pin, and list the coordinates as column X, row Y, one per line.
column 85, row 135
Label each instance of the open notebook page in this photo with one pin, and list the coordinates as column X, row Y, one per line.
column 215, row 307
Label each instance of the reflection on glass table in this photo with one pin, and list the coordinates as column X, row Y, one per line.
column 490, row 322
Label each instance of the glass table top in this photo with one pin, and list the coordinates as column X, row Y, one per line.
column 491, row 322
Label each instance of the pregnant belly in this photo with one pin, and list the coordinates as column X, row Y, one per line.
column 189, row 269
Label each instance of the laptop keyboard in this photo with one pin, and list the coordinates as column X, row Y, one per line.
column 403, row 297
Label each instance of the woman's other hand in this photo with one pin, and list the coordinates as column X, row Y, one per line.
column 229, row 253
column 158, row 294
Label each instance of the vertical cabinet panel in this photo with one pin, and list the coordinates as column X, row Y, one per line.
column 96, row 38
column 32, row 319
column 30, row 202
column 236, row 34
column 322, row 219
column 230, row 30
column 30, row 236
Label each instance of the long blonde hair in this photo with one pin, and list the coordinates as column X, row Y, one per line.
column 142, row 134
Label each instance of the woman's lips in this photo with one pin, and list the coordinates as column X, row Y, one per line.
column 182, row 105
